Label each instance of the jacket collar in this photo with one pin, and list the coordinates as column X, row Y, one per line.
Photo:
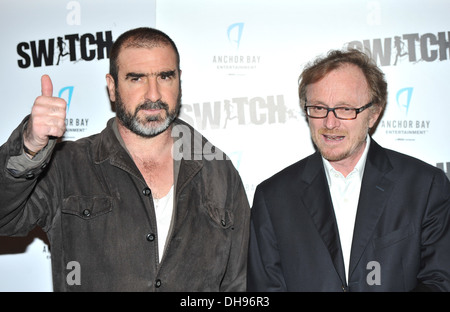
column 376, row 188
column 108, row 145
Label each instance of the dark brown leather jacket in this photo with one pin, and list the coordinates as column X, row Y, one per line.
column 93, row 203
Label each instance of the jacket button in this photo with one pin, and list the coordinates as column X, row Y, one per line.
column 158, row 283
column 86, row 212
column 150, row 237
column 146, row 191
column 29, row 176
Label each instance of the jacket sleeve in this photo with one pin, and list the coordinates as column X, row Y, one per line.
column 434, row 273
column 264, row 264
column 18, row 179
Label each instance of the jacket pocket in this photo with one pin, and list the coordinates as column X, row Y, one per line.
column 393, row 237
column 87, row 207
column 221, row 216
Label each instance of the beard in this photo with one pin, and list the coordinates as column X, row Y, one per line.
column 342, row 151
column 149, row 126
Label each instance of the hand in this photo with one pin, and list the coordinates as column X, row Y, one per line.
column 48, row 118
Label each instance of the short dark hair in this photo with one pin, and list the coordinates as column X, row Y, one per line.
column 142, row 37
column 317, row 69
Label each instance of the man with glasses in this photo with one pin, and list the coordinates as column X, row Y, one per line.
column 353, row 216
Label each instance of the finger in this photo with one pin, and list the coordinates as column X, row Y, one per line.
column 46, row 86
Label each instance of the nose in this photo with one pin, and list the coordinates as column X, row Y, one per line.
column 153, row 92
column 331, row 122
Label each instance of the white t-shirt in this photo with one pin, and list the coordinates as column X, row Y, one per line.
column 163, row 211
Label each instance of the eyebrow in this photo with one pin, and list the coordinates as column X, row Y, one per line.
column 168, row 73
column 134, row 75
column 340, row 104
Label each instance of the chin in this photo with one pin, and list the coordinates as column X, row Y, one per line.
column 332, row 155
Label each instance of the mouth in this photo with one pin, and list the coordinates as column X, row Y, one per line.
column 333, row 138
column 151, row 114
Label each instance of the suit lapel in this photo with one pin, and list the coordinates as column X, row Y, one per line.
column 375, row 191
column 317, row 199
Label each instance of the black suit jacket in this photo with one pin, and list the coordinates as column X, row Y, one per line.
column 401, row 239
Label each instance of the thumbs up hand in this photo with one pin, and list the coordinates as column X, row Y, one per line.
column 47, row 119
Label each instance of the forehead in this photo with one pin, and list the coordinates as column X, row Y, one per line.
column 346, row 83
column 161, row 57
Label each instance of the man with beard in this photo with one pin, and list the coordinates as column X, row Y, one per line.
column 122, row 208
column 353, row 216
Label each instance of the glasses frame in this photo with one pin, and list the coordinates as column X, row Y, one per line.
column 357, row 111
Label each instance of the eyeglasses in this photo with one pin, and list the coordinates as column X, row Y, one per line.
column 343, row 113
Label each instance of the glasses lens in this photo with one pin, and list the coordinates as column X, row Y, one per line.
column 345, row 113
column 316, row 111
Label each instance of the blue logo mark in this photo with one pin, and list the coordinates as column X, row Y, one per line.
column 235, row 33
column 404, row 98
column 235, row 158
column 69, row 91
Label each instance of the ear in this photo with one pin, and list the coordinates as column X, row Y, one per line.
column 374, row 115
column 111, row 87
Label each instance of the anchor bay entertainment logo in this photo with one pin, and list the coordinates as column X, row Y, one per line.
column 234, row 61
column 76, row 127
column 405, row 129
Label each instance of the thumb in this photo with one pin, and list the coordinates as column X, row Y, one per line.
column 46, row 86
